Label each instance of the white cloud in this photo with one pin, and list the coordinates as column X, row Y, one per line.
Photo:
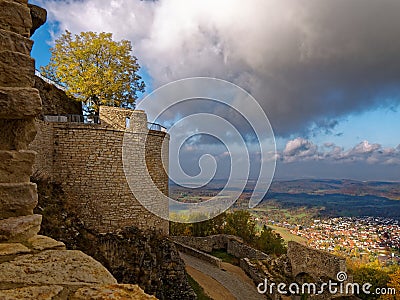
column 365, row 148
column 301, row 149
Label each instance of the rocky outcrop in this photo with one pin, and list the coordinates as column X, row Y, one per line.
column 15, row 17
column 55, row 101
column 145, row 258
column 120, row 291
column 131, row 255
column 54, row 267
column 33, row 266
column 38, row 15
column 40, row 268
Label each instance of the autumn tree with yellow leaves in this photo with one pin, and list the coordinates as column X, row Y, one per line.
column 393, row 287
column 95, row 69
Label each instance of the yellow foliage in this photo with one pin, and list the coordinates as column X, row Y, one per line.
column 95, row 69
column 394, row 283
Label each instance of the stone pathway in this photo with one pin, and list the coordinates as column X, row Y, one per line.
column 234, row 283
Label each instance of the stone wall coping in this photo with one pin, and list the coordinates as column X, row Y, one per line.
column 232, row 244
column 84, row 126
column 227, row 236
column 199, row 254
column 108, row 107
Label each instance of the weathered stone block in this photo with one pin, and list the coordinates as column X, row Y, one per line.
column 15, row 17
column 16, row 69
column 112, row 291
column 15, row 42
column 41, row 243
column 12, row 249
column 20, row 228
column 16, row 134
column 16, row 166
column 20, row 1
column 65, row 267
column 17, row 199
column 19, row 103
column 39, row 16
column 32, row 292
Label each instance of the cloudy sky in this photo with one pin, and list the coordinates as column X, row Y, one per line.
column 326, row 72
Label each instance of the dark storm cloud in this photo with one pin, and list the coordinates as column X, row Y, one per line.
column 308, row 62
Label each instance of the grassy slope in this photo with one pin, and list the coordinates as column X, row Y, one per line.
column 287, row 236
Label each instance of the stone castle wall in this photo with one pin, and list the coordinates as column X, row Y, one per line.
column 87, row 160
column 315, row 263
column 302, row 259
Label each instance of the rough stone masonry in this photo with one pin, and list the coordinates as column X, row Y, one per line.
column 87, row 160
column 33, row 266
column 19, row 103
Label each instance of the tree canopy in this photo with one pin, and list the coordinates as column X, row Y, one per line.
column 239, row 223
column 95, row 69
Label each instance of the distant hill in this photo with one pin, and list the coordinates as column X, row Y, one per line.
column 306, row 198
column 336, row 198
column 390, row 190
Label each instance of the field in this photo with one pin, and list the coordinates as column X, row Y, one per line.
column 287, row 236
column 293, row 215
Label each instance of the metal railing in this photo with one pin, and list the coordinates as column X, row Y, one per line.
column 86, row 119
column 91, row 119
column 156, row 127
column 72, row 119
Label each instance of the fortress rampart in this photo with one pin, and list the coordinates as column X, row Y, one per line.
column 87, row 160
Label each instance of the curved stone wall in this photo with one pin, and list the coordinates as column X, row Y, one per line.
column 87, row 160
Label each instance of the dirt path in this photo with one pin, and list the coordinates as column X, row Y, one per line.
column 238, row 271
column 225, row 284
column 211, row 287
